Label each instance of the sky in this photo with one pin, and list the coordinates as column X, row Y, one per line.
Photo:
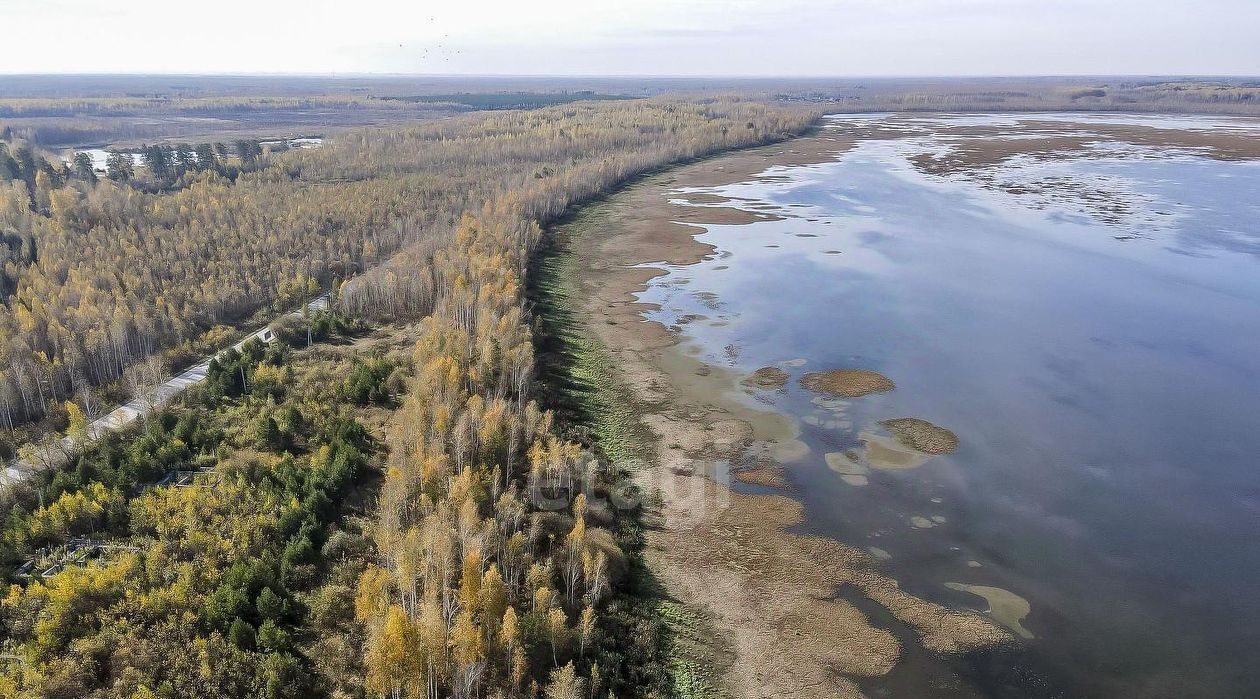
column 633, row 37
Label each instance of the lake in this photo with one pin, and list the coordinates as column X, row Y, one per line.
column 1077, row 298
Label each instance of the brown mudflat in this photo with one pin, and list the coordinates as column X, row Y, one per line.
column 847, row 383
column 922, row 435
column 769, row 475
column 767, row 377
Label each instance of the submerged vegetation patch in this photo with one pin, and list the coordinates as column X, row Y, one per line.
column 847, row 383
column 767, row 377
column 1006, row 607
column 922, row 435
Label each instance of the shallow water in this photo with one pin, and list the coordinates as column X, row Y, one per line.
column 1088, row 326
column 100, row 156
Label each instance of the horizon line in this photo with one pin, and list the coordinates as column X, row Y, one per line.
column 639, row 76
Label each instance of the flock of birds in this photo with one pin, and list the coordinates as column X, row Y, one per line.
column 439, row 49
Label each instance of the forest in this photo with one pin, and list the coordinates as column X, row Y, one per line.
column 100, row 274
column 329, row 520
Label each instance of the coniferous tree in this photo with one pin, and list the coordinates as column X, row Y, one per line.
column 118, row 167
column 83, row 169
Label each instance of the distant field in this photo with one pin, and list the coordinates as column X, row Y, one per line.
column 59, row 112
column 130, row 121
column 1170, row 95
column 77, row 111
column 67, row 111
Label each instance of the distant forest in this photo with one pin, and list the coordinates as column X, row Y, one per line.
column 104, row 110
column 510, row 100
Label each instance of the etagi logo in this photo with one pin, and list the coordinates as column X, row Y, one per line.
column 695, row 485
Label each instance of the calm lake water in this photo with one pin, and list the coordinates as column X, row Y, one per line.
column 1089, row 327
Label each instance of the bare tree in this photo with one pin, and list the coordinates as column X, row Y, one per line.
column 136, row 382
column 155, row 374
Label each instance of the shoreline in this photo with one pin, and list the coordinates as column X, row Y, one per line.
column 728, row 553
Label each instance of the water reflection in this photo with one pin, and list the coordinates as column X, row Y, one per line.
column 1092, row 344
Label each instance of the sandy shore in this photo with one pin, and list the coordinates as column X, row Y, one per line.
column 772, row 596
